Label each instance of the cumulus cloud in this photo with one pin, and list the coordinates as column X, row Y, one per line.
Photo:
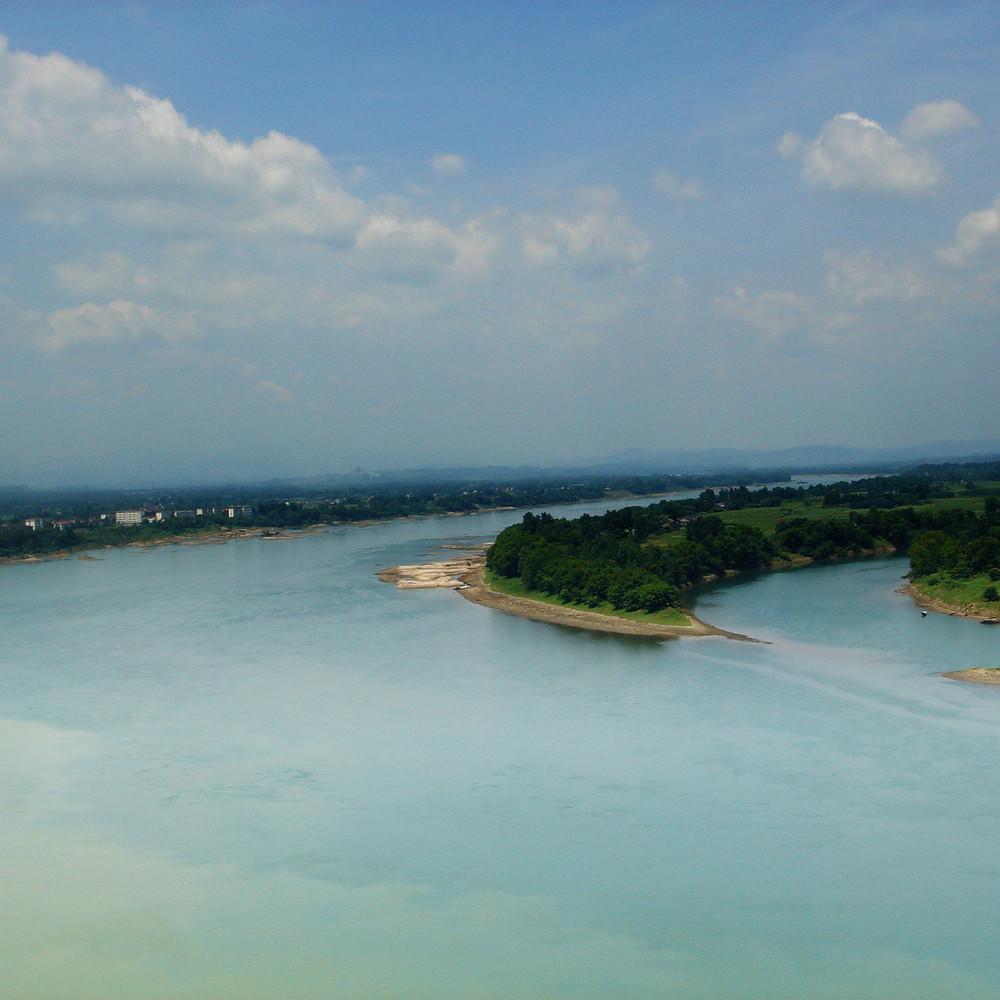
column 937, row 118
column 112, row 323
column 856, row 154
column 422, row 248
column 597, row 239
column 672, row 186
column 976, row 232
column 72, row 143
column 786, row 317
column 448, row 164
column 175, row 232
column 864, row 277
column 775, row 314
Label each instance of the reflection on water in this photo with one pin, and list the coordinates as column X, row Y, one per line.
column 254, row 771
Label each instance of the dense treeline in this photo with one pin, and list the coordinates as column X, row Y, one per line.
column 607, row 560
column 973, row 540
column 960, row 545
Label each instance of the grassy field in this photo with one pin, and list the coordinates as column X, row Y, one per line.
column 766, row 518
column 953, row 503
column 669, row 616
column 967, row 595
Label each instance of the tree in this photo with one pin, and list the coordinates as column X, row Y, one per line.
column 931, row 551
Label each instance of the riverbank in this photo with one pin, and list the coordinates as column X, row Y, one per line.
column 975, row 675
column 929, row 603
column 217, row 537
column 467, row 576
column 971, row 675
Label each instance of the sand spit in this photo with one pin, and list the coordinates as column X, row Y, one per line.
column 447, row 573
column 466, row 575
column 975, row 675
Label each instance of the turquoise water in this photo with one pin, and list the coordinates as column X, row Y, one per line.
column 254, row 771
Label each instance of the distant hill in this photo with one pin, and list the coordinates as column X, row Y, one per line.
column 634, row 462
column 802, row 459
column 810, row 458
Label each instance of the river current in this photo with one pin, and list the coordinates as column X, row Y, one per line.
column 254, row 771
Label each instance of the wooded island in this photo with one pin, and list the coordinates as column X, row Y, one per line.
column 639, row 559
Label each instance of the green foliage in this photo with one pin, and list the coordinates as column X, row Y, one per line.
column 641, row 557
column 608, row 559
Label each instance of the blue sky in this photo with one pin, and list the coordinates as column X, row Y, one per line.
column 264, row 239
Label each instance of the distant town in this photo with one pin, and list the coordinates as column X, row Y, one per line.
column 146, row 515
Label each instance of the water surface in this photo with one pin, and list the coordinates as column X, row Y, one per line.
column 252, row 770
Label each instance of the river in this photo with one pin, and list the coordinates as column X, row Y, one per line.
column 252, row 770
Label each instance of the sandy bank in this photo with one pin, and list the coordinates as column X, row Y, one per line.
column 975, row 675
column 943, row 608
column 447, row 573
column 466, row 575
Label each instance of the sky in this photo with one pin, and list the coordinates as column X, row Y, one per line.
column 262, row 239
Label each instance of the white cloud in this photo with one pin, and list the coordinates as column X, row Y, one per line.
column 111, row 273
column 448, row 164
column 113, row 323
column 863, row 277
column 775, row 314
column 176, row 233
column 672, row 186
column 852, row 153
column 976, row 232
column 787, row 317
column 71, row 143
column 274, row 392
column 421, row 248
column 790, row 143
column 600, row 240
column 937, row 118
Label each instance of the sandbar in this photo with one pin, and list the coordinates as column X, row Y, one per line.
column 975, row 675
column 467, row 576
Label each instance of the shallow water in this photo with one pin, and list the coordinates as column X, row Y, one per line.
column 252, row 770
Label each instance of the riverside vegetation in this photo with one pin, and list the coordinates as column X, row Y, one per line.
column 639, row 559
column 83, row 528
column 634, row 561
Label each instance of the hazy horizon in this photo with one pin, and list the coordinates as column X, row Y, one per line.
column 256, row 240
column 803, row 460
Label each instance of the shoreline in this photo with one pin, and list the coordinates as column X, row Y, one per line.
column 467, row 576
column 265, row 531
column 970, row 675
column 975, row 675
column 922, row 600
column 219, row 537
